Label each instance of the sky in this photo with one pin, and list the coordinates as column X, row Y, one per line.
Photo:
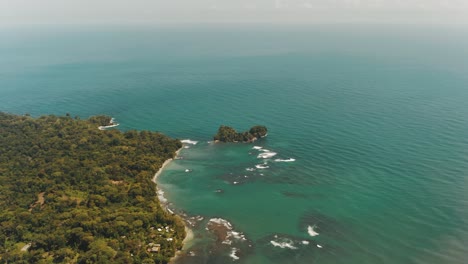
column 18, row 12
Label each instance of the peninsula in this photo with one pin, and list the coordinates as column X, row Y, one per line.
column 229, row 134
column 71, row 193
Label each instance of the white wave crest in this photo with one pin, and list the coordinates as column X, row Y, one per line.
column 257, row 147
column 311, row 231
column 305, row 242
column 110, row 125
column 285, row 160
column 250, row 169
column 287, row 244
column 161, row 197
column 266, row 155
column 261, row 166
column 233, row 254
column 221, row 221
column 238, row 235
column 188, row 141
column 231, row 235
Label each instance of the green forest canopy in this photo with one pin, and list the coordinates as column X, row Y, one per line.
column 229, row 134
column 76, row 194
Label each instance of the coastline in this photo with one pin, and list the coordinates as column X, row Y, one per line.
column 156, row 175
column 189, row 235
column 166, row 162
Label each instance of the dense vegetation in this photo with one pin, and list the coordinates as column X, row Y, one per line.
column 229, row 134
column 70, row 193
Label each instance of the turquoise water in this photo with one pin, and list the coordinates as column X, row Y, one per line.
column 375, row 118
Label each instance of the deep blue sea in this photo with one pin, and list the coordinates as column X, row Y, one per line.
column 368, row 130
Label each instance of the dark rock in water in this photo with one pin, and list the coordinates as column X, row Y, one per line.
column 193, row 221
column 220, row 228
column 222, row 244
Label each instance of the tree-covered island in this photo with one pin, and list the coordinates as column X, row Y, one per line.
column 71, row 193
column 229, row 134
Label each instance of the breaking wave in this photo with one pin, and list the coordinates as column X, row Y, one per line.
column 285, row 243
column 285, row 160
column 188, row 141
column 233, row 254
column 311, row 231
column 266, row 155
column 161, row 197
column 225, row 231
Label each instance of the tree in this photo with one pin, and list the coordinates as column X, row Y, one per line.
column 72, row 190
column 229, row 134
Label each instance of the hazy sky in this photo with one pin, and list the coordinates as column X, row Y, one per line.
column 231, row 11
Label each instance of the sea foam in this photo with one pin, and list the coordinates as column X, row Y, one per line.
column 188, row 141
column 161, row 197
column 233, row 254
column 221, row 221
column 285, row 160
column 286, row 244
column 266, row 155
column 311, row 231
column 231, row 234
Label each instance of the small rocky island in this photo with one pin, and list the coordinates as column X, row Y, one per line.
column 229, row 134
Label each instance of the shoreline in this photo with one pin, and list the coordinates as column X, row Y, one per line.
column 166, row 162
column 189, row 235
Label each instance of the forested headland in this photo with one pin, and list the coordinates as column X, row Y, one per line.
column 70, row 193
column 229, row 134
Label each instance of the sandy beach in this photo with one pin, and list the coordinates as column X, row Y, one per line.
column 161, row 169
column 164, row 165
column 189, row 233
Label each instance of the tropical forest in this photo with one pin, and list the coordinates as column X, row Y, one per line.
column 71, row 193
column 229, row 134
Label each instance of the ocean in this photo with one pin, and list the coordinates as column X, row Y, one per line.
column 367, row 141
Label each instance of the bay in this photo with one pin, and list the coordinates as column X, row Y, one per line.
column 375, row 119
